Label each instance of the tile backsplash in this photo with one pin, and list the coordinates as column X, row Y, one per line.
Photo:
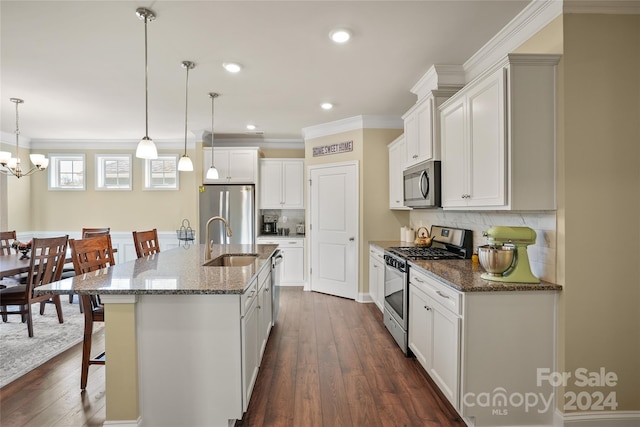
column 542, row 255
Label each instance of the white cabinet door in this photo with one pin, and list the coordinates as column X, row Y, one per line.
column 486, row 106
column 270, row 184
column 418, row 132
column 292, row 266
column 264, row 313
column 243, row 166
column 236, row 166
column 376, row 276
column 420, row 327
column 281, row 183
column 250, row 351
column 455, row 165
column 445, row 365
column 397, row 158
column 293, row 184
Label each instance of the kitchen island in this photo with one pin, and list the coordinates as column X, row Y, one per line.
column 183, row 340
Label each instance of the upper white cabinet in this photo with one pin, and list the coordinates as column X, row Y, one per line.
column 498, row 138
column 421, row 125
column 281, row 184
column 397, row 159
column 235, row 165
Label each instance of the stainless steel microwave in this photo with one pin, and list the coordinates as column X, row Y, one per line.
column 422, row 185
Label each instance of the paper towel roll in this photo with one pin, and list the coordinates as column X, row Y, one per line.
column 409, row 235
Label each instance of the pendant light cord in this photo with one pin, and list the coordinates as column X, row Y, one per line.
column 186, row 106
column 146, row 83
column 213, row 99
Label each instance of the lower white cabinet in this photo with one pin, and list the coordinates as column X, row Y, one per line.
column 483, row 349
column 434, row 338
column 376, row 275
column 265, row 308
column 250, row 330
column 292, row 272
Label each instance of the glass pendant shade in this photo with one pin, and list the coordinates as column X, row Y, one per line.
column 212, row 173
column 5, row 156
column 146, row 149
column 185, row 164
column 37, row 159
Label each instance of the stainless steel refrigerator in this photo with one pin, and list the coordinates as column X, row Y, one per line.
column 236, row 204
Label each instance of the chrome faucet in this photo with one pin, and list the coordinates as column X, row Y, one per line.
column 206, row 237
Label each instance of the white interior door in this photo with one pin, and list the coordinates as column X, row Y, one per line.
column 334, row 229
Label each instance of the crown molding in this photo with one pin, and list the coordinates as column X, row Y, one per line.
column 439, row 77
column 10, row 139
column 108, row 144
column 352, row 123
column 532, row 19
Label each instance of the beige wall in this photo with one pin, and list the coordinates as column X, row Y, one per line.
column 16, row 211
column 282, row 153
column 121, row 210
column 598, row 155
column 376, row 221
column 601, row 192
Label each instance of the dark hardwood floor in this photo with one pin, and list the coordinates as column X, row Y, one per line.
column 329, row 362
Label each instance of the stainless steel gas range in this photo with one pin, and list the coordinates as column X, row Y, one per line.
column 447, row 243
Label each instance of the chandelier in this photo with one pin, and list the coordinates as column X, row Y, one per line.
column 11, row 165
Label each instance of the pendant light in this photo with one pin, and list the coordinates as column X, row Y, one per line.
column 185, row 164
column 146, row 147
column 10, row 164
column 212, row 172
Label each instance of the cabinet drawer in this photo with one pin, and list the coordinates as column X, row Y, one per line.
column 443, row 294
column 248, row 297
column 377, row 252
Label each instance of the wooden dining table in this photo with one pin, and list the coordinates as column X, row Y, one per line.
column 13, row 264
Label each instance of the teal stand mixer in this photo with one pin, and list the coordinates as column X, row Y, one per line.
column 519, row 270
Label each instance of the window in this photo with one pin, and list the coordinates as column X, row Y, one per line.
column 113, row 172
column 161, row 173
column 66, row 172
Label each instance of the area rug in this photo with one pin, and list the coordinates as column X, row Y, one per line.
column 20, row 354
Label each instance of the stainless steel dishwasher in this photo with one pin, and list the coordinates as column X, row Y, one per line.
column 276, row 260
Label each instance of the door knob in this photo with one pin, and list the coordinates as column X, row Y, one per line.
column 351, row 239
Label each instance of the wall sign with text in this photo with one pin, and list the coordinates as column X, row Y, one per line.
column 340, row 147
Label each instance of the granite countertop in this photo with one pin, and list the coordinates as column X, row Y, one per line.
column 464, row 275
column 175, row 271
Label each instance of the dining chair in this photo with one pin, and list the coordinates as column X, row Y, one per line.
column 47, row 258
column 86, row 234
column 146, row 242
column 91, row 254
column 6, row 239
column 95, row 232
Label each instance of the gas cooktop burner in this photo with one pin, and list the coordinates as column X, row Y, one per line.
column 418, row 253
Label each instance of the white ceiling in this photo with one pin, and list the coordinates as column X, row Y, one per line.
column 79, row 65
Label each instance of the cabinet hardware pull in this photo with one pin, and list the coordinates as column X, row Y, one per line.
column 442, row 295
column 418, row 279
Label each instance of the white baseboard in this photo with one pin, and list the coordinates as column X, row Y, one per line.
column 364, row 297
column 597, row 419
column 124, row 423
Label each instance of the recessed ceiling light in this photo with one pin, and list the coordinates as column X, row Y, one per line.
column 232, row 67
column 326, row 106
column 251, row 127
column 340, row 36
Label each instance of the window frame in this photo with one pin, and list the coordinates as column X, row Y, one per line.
column 53, row 173
column 100, row 184
column 146, row 180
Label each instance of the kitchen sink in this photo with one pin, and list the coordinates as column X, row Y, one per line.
column 232, row 260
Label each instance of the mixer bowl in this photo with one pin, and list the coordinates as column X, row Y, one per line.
column 496, row 259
